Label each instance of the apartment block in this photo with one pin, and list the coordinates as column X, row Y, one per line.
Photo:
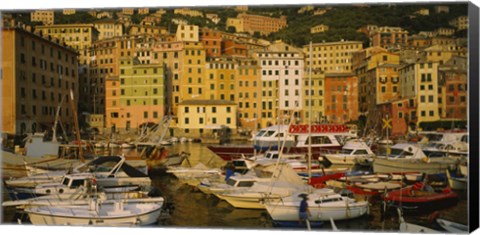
column 282, row 68
column 36, row 75
column 128, row 11
column 453, row 92
column 144, row 11
column 390, row 38
column 141, row 96
column 257, row 23
column 185, row 70
column 108, row 28
column 341, row 97
column 78, row 36
column 220, row 79
column 68, row 11
column 46, row 17
column 188, row 12
column 234, row 48
column 147, row 29
column 203, row 117
column 445, row 31
column 460, row 23
column 248, row 93
column 212, row 42
column 419, row 81
column 314, row 96
column 332, row 57
column 187, row 33
column 319, row 29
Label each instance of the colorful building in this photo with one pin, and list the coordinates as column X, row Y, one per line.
column 341, row 97
column 248, row 93
column 257, row 23
column 212, row 42
column 333, row 57
column 390, row 37
column 36, row 76
column 108, row 28
column 44, row 16
column 141, row 96
column 200, row 118
column 313, row 96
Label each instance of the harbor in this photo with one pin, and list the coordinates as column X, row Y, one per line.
column 187, row 207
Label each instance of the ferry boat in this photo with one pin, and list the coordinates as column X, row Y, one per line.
column 324, row 137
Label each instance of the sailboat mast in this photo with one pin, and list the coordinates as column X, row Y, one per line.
column 310, row 117
column 77, row 129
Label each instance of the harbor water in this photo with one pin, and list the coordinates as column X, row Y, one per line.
column 190, row 208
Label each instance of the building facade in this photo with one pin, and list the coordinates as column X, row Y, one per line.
column 37, row 75
column 333, row 57
column 46, row 17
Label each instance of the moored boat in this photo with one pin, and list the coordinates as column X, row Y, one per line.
column 324, row 137
column 96, row 214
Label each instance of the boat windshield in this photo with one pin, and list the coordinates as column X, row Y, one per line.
column 347, row 151
column 360, row 152
column 231, row 182
column 65, row 181
column 260, row 134
column 269, row 133
column 400, row 153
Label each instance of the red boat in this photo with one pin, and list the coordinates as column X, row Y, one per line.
column 420, row 197
column 324, row 139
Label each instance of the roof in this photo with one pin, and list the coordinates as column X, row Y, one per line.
column 207, row 102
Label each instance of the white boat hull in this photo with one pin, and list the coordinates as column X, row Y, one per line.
column 340, row 160
column 70, row 216
column 285, row 212
column 411, row 165
column 247, row 202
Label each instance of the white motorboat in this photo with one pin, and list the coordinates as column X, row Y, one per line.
column 197, row 171
column 233, row 183
column 452, row 227
column 96, row 213
column 297, row 161
column 253, row 197
column 410, row 158
column 352, row 150
column 323, row 207
column 457, row 182
column 82, row 195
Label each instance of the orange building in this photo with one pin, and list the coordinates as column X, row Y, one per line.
column 36, row 75
column 341, row 97
column 453, row 83
column 248, row 92
column 390, row 37
column 212, row 42
column 262, row 24
column 233, row 48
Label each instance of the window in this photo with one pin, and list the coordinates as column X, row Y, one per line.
column 186, row 109
column 145, row 114
column 431, row 113
column 229, row 109
column 229, row 120
column 187, row 121
column 430, row 98
column 214, row 120
column 422, row 99
column 214, row 109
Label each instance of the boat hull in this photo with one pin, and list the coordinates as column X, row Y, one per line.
column 229, row 153
column 411, row 165
column 420, row 201
column 43, row 217
column 280, row 212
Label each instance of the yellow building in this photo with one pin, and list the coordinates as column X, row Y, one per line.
column 319, row 28
column 185, row 67
column 46, row 17
column 419, row 81
column 442, row 53
column 200, row 117
column 147, row 29
column 187, row 33
column 313, row 98
column 257, row 23
column 460, row 22
column 188, row 12
column 108, row 28
column 68, row 11
column 248, row 93
column 128, row 11
column 78, row 36
column 333, row 57
column 221, row 78
column 36, row 75
column 144, row 11
column 141, row 97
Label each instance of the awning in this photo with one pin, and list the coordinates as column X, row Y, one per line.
column 213, row 127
